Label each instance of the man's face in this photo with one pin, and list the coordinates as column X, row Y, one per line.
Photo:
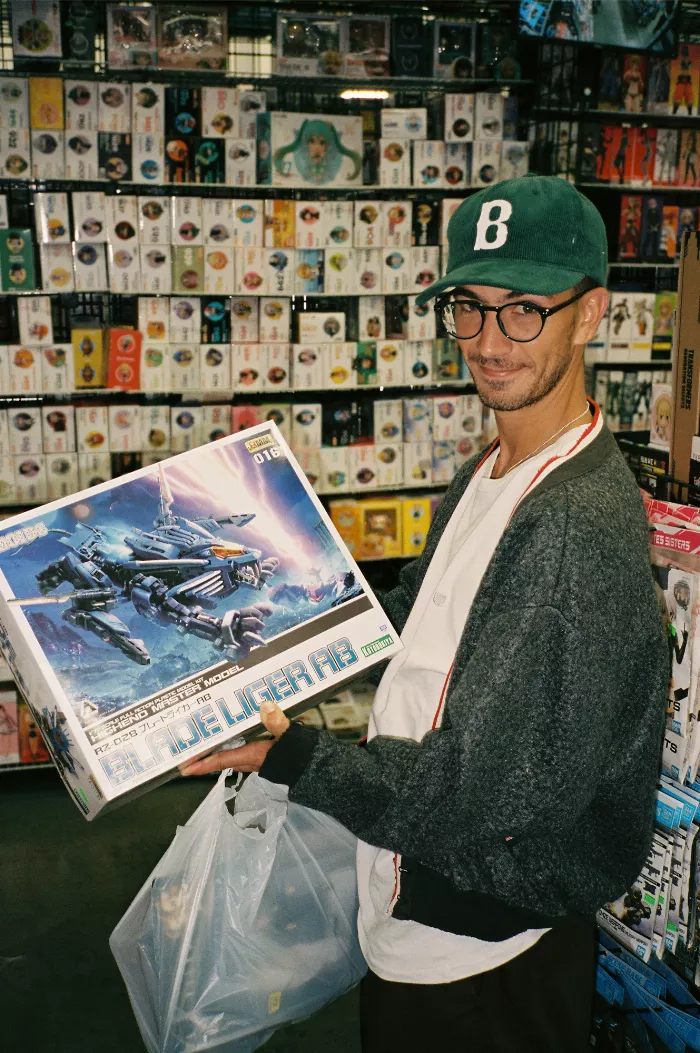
column 509, row 375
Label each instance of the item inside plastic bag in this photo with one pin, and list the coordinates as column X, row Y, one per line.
column 248, row 923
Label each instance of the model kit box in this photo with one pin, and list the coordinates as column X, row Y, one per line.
column 143, row 696
column 308, row 46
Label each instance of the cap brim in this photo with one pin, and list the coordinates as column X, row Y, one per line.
column 537, row 278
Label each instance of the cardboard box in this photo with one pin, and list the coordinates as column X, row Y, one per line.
column 15, row 154
column 114, row 107
column 147, row 109
column 92, row 429
column 57, row 373
column 58, row 429
column 245, row 320
column 371, row 320
column 191, row 720
column 345, row 516
column 429, row 163
column 215, row 367
column 82, row 156
column 155, row 367
column 334, row 469
column 381, row 529
column 216, row 422
column 395, row 162
column 61, row 475
column 46, row 103
column 17, row 261
column 185, row 319
column 248, row 367
column 124, row 369
column 248, row 224
column 307, row 366
column 25, row 370
column 416, row 516
column 147, row 159
column 686, row 361
column 459, row 118
column 24, row 430
column 184, row 367
column 368, row 228
column 14, row 103
column 285, row 157
column 35, row 324
column 362, row 468
column 89, row 358
column 417, row 463
column 89, row 216
column 276, row 359
column 48, row 155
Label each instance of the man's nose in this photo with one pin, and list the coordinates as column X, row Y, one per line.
column 491, row 340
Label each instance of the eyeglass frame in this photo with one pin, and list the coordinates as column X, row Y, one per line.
column 544, row 313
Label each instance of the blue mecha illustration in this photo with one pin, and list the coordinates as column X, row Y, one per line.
column 170, row 574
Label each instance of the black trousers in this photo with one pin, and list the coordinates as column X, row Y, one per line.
column 540, row 1002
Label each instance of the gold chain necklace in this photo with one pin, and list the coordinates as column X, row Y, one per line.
column 546, row 442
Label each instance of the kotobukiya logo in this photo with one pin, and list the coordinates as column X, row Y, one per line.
column 377, row 645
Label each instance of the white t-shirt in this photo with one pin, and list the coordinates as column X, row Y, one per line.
column 406, row 706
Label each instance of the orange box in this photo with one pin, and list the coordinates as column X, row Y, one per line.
column 380, row 528
column 347, row 519
column 46, row 103
column 124, row 368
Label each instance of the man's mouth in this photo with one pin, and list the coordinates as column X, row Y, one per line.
column 494, row 371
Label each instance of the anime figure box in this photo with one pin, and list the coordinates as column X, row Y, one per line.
column 302, row 149
column 145, row 620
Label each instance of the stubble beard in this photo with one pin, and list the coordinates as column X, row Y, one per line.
column 500, row 400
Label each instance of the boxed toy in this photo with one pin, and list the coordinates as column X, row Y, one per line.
column 145, row 695
column 308, row 45
column 289, row 154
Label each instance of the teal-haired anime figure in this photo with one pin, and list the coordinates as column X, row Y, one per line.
column 317, row 153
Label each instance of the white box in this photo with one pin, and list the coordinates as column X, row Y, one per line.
column 334, row 470
column 295, row 677
column 48, row 155
column 61, row 475
column 338, row 366
column 248, row 223
column 92, row 429
column 58, row 429
column 371, row 318
column 369, row 266
column 15, row 154
column 4, row 368
column 80, row 105
column 445, row 417
column 4, row 216
column 240, row 162
column 419, row 361
column 57, row 268
column 124, row 428
column 421, row 321
column 114, row 108
column 185, row 373
column 122, row 211
column 281, row 414
column 218, row 270
column 275, row 319
column 147, row 108
column 341, row 278
column 515, row 159
column 320, row 327
column 488, row 115
column 404, row 123
column 30, row 479
column 14, row 103
column 278, row 271
column 391, row 362
column 155, row 367
column 57, row 369
column 251, row 274
column 362, row 468
column 487, row 162
column 368, row 231
column 216, row 422
column 417, row 463
column 306, row 426
column 54, row 226
column 156, row 269
column 93, row 469
column 82, row 159
column 417, row 420
column 425, row 267
column 8, row 489
column 642, row 310
column 154, row 220
column 247, row 367
column 25, row 370
column 89, row 216
column 620, row 332
column 307, row 367
column 35, row 324
column 397, row 271
column 245, row 320
column 154, row 319
column 250, row 104
column 395, row 162
column 389, row 461
column 218, row 221
column 185, row 428
column 388, row 421
column 185, row 319
column 4, row 433
column 147, row 163
column 215, row 367
column 277, row 367
column 186, row 226
column 311, row 224
column 458, row 165
column 125, row 269
column 339, row 224
column 429, row 163
column 398, row 219
column 220, row 115
column 90, row 267
column 24, row 429
column 444, row 461
column 459, row 118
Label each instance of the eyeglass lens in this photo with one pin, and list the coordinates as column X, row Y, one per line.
column 463, row 319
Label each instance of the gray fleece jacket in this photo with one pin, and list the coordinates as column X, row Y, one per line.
column 536, row 794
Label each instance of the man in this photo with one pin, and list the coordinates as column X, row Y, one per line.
column 506, row 791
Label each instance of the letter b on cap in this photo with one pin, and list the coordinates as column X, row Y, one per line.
column 488, row 218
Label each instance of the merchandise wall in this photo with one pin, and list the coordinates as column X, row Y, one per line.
column 215, row 215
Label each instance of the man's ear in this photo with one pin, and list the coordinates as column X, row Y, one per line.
column 591, row 309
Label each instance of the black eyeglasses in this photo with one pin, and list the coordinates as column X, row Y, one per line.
column 521, row 321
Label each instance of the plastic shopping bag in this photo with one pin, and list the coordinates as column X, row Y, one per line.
column 248, row 922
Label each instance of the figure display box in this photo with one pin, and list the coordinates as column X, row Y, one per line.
column 145, row 620
column 301, row 149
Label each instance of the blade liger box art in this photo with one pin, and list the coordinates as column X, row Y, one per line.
column 145, row 620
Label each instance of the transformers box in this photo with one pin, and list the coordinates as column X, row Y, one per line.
column 145, row 620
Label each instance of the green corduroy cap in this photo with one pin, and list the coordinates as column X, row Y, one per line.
column 536, row 233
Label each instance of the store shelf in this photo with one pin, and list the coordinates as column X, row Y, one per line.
column 293, row 193
column 654, row 364
column 227, row 395
column 651, row 263
column 660, row 120
column 634, row 188
column 26, row 767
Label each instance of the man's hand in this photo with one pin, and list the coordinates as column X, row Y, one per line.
column 246, row 758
